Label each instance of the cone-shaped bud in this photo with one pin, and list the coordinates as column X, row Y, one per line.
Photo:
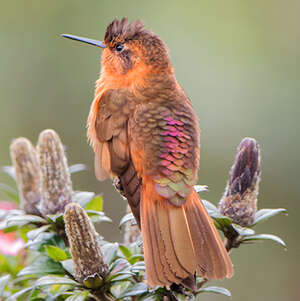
column 240, row 197
column 84, row 246
column 25, row 162
column 56, row 185
column 132, row 232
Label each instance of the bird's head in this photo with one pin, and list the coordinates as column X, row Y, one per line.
column 130, row 50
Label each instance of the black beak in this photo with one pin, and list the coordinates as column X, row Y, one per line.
column 85, row 40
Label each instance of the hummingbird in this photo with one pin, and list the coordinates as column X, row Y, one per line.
column 146, row 136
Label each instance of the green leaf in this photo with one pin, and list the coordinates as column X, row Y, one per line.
column 243, row 231
column 21, row 220
column 57, row 218
column 136, row 258
column 42, row 239
column 76, row 168
column 201, row 188
column 135, row 290
column 93, row 281
column 97, row 216
column 56, row 253
column 109, row 251
column 138, row 266
column 210, row 207
column 3, row 282
column 222, row 222
column 68, row 265
column 265, row 237
column 120, row 276
column 264, row 214
column 216, row 290
column 126, row 218
column 118, row 288
column 79, row 296
column 19, row 293
column 54, row 280
column 125, row 251
column 33, row 234
column 95, row 204
column 119, row 265
column 83, row 197
column 42, row 265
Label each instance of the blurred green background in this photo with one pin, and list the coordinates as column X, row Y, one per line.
column 239, row 62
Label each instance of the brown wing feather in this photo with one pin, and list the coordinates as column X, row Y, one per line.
column 111, row 130
column 112, row 154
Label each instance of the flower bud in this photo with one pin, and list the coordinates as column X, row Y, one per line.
column 56, row 185
column 89, row 266
column 240, row 197
column 26, row 166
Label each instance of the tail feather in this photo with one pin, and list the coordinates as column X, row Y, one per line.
column 179, row 241
column 213, row 259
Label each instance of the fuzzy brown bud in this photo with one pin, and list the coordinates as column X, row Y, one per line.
column 56, row 186
column 84, row 245
column 239, row 201
column 26, row 166
column 132, row 232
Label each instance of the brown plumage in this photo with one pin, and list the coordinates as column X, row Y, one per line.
column 144, row 131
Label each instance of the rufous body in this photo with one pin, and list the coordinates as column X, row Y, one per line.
column 145, row 133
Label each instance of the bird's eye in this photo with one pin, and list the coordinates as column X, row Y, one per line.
column 119, row 47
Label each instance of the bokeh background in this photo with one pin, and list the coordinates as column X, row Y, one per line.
column 239, row 62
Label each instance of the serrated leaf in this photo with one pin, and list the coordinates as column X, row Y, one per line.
column 265, row 237
column 126, row 218
column 76, row 168
column 200, row 188
column 33, row 234
column 68, row 265
column 264, row 214
column 3, row 282
column 54, row 280
column 56, row 253
column 135, row 290
column 79, row 296
column 83, row 197
column 125, row 251
column 42, row 265
column 109, row 251
column 20, row 293
column 95, row 204
column 216, row 290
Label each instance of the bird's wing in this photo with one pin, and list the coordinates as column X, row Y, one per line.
column 111, row 145
column 112, row 149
